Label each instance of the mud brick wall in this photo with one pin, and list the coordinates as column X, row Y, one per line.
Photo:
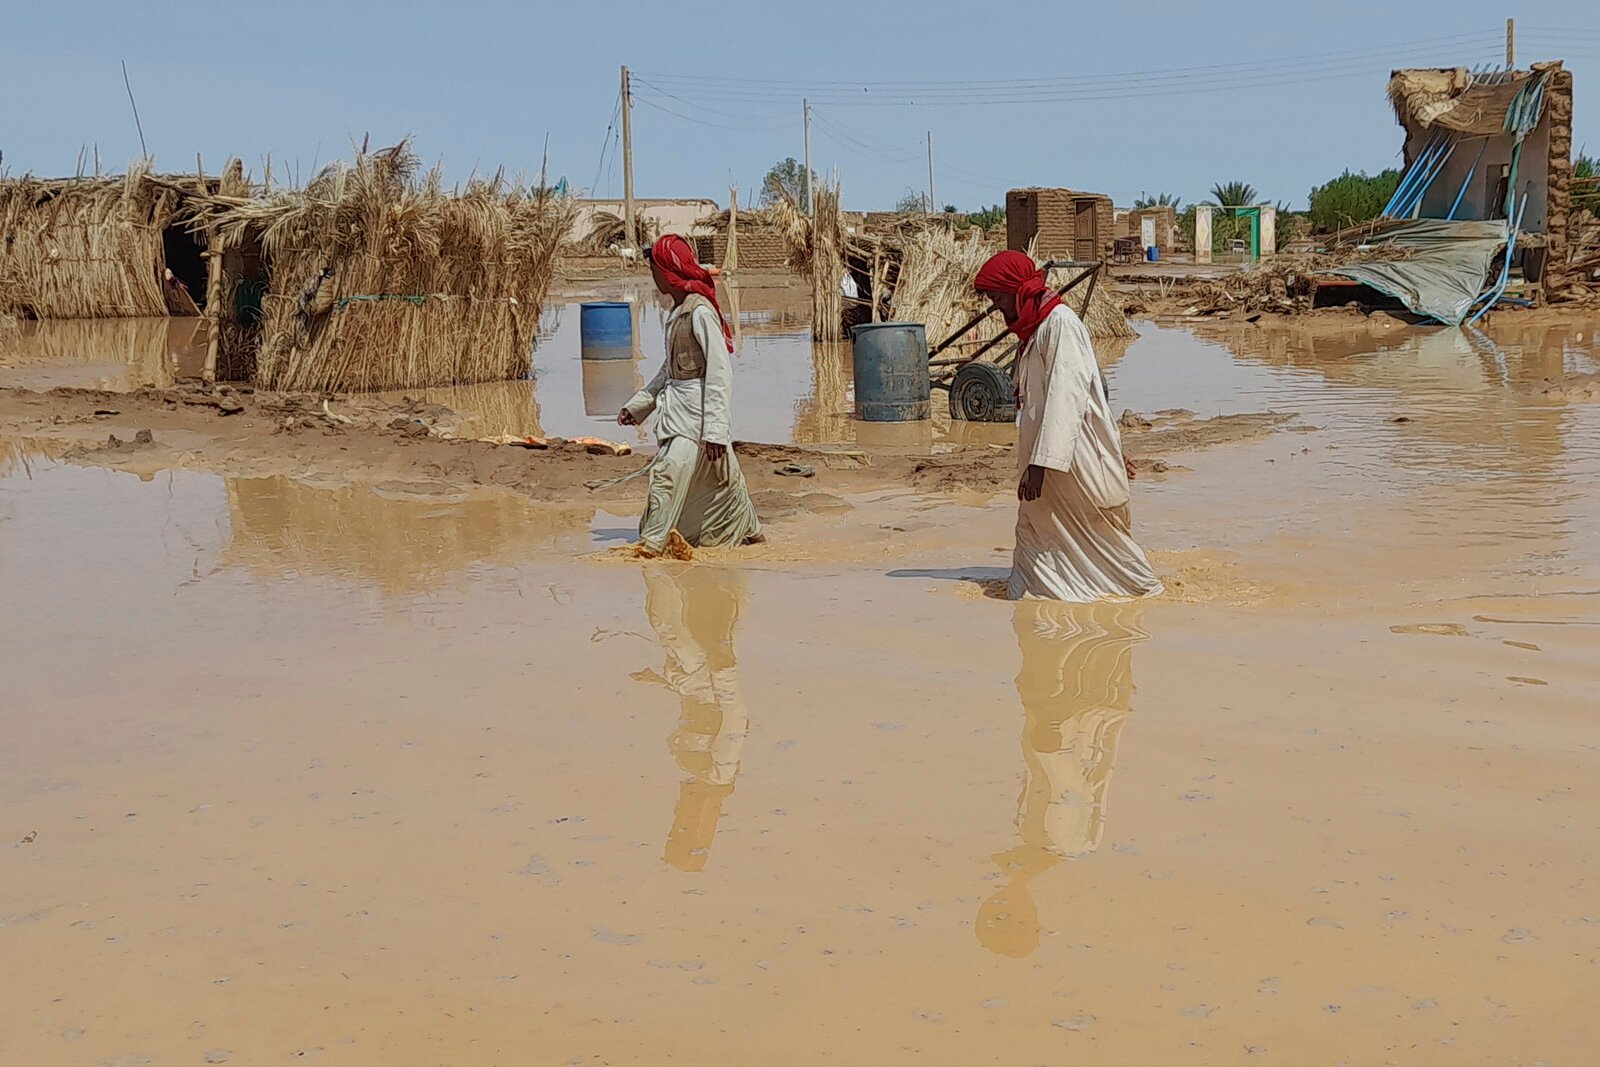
column 759, row 249
column 1558, row 209
column 1052, row 216
column 1166, row 225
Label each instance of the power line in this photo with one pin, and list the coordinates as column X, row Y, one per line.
column 699, row 107
column 1293, row 62
column 1100, row 93
column 610, row 127
column 1104, row 87
column 645, row 100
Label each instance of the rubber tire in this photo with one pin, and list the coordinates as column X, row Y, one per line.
column 982, row 392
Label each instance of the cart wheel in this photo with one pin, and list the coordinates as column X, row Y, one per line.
column 982, row 392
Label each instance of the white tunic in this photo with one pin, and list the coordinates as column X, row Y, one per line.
column 1074, row 542
column 696, row 408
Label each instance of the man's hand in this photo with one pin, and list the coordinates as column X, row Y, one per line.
column 714, row 452
column 625, row 418
column 1127, row 465
column 1032, row 483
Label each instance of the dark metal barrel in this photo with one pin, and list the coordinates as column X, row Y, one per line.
column 891, row 371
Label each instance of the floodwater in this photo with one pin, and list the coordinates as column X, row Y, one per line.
column 114, row 354
column 411, row 777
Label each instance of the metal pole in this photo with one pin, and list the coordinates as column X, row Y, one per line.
column 933, row 193
column 630, row 225
column 805, row 177
column 1511, row 44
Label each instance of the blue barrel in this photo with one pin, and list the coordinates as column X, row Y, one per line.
column 891, row 371
column 1153, row 254
column 606, row 329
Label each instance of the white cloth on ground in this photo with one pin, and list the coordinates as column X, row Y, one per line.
column 1074, row 542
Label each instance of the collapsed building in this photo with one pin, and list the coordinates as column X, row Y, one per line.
column 1483, row 209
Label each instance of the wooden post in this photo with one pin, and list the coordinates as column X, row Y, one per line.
column 1511, row 44
column 213, row 307
column 805, row 175
column 730, row 262
column 630, row 225
column 877, row 282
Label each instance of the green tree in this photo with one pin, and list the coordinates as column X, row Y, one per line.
column 786, row 178
column 1586, row 197
column 1234, row 194
column 1351, row 198
column 987, row 218
column 1145, row 200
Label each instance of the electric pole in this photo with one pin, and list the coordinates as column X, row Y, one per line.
column 1511, row 44
column 805, row 177
column 630, row 226
column 933, row 193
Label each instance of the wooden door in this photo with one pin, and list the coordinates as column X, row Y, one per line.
column 1085, row 245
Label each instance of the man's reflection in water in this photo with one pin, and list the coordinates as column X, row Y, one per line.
column 693, row 611
column 1075, row 684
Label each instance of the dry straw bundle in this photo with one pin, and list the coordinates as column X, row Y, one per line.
column 817, row 247
column 379, row 279
column 88, row 247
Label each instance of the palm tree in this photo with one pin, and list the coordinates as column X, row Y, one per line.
column 1145, row 200
column 1233, row 194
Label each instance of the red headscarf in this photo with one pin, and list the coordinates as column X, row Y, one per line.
column 684, row 274
column 1014, row 272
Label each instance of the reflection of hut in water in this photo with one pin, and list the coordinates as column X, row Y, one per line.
column 1076, row 684
column 116, row 354
column 100, row 246
column 1493, row 425
column 402, row 544
column 487, row 409
column 828, row 414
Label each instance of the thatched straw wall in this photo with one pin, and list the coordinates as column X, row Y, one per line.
column 89, row 247
column 419, row 286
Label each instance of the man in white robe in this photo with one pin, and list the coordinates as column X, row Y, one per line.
column 1074, row 533
column 696, row 486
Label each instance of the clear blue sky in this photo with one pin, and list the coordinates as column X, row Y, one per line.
column 1160, row 96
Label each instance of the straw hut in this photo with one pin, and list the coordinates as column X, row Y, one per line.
column 375, row 277
column 100, row 246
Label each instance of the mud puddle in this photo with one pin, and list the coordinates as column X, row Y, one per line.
column 283, row 758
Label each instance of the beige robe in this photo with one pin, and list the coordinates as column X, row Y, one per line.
column 1075, row 541
column 706, row 502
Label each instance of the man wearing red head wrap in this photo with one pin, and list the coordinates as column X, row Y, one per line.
column 1074, row 534
column 696, row 486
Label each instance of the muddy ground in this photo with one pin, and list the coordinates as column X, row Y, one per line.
column 242, row 432
column 329, row 737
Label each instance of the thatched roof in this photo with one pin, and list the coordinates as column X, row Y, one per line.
column 1454, row 99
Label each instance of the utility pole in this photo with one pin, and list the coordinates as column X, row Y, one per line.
column 630, row 226
column 805, row 177
column 1511, row 44
column 933, row 193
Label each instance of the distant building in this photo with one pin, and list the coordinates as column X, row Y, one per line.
column 1061, row 224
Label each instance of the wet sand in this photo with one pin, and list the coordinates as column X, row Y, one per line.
column 412, row 771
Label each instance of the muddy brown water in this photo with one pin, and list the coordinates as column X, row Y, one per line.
column 386, row 776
